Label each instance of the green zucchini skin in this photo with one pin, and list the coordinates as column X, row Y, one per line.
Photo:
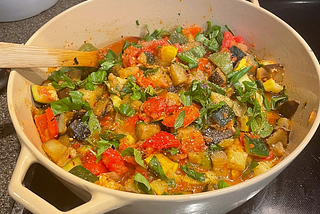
column 44, row 94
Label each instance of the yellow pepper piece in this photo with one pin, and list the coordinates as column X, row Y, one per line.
column 271, row 86
column 168, row 53
column 165, row 162
column 242, row 63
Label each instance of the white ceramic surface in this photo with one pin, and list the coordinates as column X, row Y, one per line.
column 102, row 22
column 13, row 10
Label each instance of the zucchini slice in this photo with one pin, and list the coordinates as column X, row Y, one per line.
column 44, row 94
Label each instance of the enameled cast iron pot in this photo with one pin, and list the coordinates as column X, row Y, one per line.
column 102, row 22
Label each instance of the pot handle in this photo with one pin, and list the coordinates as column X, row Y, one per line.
column 255, row 2
column 99, row 203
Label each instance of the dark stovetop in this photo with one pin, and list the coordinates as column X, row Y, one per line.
column 295, row 190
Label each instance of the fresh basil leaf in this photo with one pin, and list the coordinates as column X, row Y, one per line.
column 236, row 75
column 192, row 173
column 211, row 37
column 110, row 135
column 102, row 145
column 98, row 77
column 260, row 125
column 60, row 80
column 109, row 61
column 249, row 169
column 137, row 155
column 186, row 99
column 125, row 45
column 93, row 123
column 178, row 37
column 125, row 109
column 143, row 184
column 192, row 56
column 76, row 100
column 156, row 34
column 214, row 147
column 137, row 22
column 211, row 44
column 157, row 168
column 179, row 121
column 171, row 182
column 222, row 184
column 217, row 88
column 173, row 151
column 226, row 26
column 148, row 71
column 256, row 147
column 81, row 172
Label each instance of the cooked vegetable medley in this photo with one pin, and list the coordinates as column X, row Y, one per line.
column 178, row 112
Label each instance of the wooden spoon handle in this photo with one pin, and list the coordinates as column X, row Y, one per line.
column 22, row 56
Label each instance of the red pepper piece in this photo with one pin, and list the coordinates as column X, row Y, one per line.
column 89, row 161
column 47, row 126
column 191, row 31
column 52, row 124
column 114, row 161
column 142, row 80
column 157, row 108
column 229, row 40
column 130, row 56
column 191, row 114
column 161, row 140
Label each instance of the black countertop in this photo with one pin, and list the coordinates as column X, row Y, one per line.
column 295, row 190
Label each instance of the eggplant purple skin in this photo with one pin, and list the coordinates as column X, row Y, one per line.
column 288, row 108
column 78, row 130
column 213, row 136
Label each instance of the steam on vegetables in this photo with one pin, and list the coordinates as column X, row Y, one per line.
column 178, row 112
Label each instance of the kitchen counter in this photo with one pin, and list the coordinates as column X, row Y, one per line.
column 295, row 190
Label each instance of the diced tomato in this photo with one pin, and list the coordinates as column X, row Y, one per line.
column 191, row 30
column 272, row 117
column 89, row 161
column 129, row 124
column 142, row 80
column 47, row 126
column 130, row 55
column 153, row 46
column 229, row 40
column 269, row 157
column 142, row 171
column 191, row 113
column 238, row 39
column 191, row 140
column 161, row 140
column 114, row 161
column 106, row 121
column 205, row 65
column 157, row 108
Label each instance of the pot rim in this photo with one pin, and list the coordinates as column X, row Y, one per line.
column 90, row 187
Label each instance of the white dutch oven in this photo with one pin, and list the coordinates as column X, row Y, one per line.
column 102, row 22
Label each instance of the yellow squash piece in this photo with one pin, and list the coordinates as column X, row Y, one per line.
column 165, row 162
column 271, row 86
column 168, row 53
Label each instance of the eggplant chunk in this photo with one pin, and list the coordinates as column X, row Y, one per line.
column 178, row 74
column 78, row 130
column 278, row 136
column 213, row 136
column 288, row 108
column 276, row 71
column 63, row 93
column 217, row 77
column 237, row 52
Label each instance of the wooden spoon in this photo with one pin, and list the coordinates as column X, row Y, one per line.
column 26, row 56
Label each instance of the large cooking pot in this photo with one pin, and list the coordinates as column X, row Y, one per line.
column 102, row 22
